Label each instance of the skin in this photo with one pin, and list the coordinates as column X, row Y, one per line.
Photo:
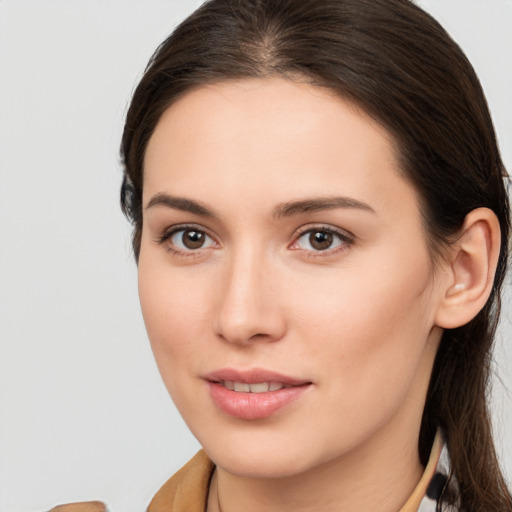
column 357, row 320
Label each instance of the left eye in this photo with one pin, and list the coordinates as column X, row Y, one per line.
column 320, row 240
column 190, row 239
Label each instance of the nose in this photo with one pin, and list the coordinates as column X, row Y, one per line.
column 248, row 307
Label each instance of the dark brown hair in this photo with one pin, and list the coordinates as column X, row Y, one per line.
column 400, row 66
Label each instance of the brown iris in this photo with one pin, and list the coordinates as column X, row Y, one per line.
column 320, row 240
column 193, row 239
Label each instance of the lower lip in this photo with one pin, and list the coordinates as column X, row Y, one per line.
column 254, row 406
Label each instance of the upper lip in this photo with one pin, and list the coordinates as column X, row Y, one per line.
column 253, row 376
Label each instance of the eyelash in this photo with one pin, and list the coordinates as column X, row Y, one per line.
column 345, row 240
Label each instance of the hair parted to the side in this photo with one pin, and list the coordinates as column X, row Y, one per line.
column 400, row 66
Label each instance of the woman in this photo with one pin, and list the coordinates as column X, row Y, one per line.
column 321, row 229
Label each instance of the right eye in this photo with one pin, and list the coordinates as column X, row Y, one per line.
column 187, row 240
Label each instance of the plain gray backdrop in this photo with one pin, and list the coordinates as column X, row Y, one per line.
column 83, row 413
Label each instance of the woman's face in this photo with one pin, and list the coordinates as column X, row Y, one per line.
column 284, row 278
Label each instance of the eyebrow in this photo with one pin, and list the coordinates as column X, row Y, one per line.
column 287, row 209
column 179, row 203
column 318, row 204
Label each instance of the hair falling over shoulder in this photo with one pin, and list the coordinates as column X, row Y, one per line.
column 400, row 66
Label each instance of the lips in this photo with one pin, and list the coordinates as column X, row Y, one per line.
column 253, row 394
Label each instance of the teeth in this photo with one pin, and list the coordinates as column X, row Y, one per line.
column 259, row 387
column 242, row 386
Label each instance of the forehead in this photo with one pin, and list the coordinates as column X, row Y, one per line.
column 273, row 139
column 287, row 108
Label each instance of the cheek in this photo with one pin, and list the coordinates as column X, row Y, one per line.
column 175, row 325
column 173, row 309
column 369, row 324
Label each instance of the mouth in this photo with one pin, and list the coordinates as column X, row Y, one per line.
column 254, row 394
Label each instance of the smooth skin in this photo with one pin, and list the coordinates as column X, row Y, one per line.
column 235, row 271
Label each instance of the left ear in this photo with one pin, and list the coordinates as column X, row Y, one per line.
column 471, row 266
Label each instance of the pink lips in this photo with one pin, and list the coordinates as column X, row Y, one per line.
column 248, row 405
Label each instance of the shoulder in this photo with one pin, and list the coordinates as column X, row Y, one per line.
column 85, row 506
column 186, row 491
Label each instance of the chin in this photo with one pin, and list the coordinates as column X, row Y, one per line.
column 260, row 457
column 260, row 465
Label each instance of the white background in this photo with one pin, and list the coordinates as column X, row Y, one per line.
column 83, row 413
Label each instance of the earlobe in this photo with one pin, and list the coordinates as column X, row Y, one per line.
column 473, row 258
